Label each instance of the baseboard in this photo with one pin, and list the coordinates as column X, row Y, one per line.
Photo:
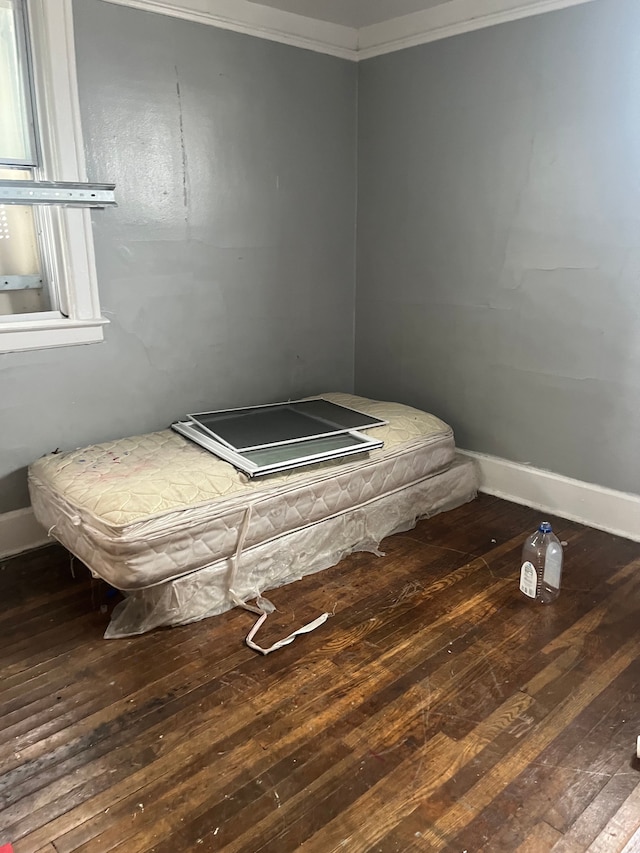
column 587, row 503
column 19, row 532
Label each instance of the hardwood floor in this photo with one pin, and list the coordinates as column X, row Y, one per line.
column 437, row 710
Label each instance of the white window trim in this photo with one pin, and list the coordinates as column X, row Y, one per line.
column 71, row 254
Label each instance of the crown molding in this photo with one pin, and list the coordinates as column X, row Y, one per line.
column 450, row 18
column 261, row 21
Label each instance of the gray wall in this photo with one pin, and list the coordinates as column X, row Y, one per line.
column 499, row 238
column 227, row 270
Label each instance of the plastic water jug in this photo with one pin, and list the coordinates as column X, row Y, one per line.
column 541, row 570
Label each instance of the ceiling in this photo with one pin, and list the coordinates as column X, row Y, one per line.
column 351, row 13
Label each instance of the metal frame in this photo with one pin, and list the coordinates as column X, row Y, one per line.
column 63, row 193
column 251, row 469
column 332, row 429
column 20, row 282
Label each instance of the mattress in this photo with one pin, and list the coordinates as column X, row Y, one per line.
column 292, row 556
column 148, row 511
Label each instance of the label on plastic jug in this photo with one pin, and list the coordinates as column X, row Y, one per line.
column 528, row 579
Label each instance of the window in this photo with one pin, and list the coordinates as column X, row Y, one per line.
column 48, row 288
column 262, row 440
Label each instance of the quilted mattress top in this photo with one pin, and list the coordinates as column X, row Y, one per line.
column 129, row 479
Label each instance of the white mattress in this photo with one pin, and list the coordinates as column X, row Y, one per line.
column 146, row 510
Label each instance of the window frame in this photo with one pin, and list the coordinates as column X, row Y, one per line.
column 300, row 436
column 69, row 247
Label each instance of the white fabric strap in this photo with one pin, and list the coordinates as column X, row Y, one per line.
column 310, row 626
column 263, row 607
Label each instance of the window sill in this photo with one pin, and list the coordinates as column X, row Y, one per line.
column 16, row 336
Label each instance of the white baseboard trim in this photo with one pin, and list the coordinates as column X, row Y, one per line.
column 586, row 503
column 19, row 532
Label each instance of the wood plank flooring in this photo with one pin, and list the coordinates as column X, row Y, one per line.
column 437, row 710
